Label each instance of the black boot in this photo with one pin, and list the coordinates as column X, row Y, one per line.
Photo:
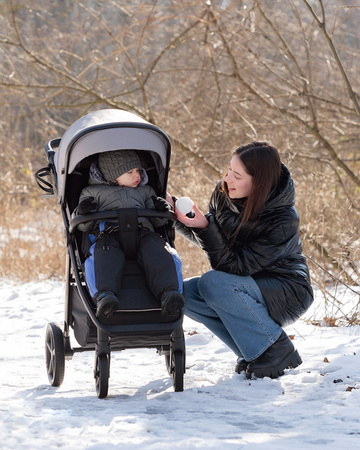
column 172, row 303
column 241, row 365
column 279, row 356
column 106, row 303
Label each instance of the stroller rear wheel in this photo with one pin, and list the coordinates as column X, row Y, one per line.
column 102, row 374
column 54, row 354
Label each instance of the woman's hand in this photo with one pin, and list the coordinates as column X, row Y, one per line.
column 199, row 221
column 170, row 200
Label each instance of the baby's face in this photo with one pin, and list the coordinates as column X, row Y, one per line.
column 129, row 179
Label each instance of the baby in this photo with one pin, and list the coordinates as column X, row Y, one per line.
column 118, row 181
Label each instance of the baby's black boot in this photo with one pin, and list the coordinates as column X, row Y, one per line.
column 172, row 303
column 106, row 303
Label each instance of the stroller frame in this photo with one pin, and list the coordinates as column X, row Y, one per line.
column 142, row 327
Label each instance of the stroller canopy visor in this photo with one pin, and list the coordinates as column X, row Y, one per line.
column 106, row 130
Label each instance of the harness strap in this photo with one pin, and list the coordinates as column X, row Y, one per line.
column 128, row 229
column 128, row 221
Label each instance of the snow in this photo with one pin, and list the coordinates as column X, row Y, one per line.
column 314, row 406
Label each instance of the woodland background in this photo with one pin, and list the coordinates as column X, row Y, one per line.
column 213, row 75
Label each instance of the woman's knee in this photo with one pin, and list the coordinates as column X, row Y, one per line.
column 196, row 306
column 191, row 290
column 211, row 283
column 191, row 294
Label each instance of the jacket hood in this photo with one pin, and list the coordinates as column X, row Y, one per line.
column 284, row 193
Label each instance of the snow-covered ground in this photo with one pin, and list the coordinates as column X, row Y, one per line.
column 314, row 406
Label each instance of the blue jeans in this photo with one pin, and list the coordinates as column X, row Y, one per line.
column 233, row 308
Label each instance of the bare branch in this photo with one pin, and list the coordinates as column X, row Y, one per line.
column 322, row 25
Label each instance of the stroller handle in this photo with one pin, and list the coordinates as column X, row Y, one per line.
column 50, row 149
column 116, row 214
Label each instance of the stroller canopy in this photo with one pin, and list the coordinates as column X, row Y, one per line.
column 106, row 130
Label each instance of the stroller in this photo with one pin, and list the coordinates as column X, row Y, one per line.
column 138, row 323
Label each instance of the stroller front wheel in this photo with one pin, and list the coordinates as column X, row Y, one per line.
column 102, row 373
column 54, row 354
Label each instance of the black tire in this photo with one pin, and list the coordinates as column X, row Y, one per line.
column 178, row 370
column 168, row 364
column 102, row 375
column 54, row 354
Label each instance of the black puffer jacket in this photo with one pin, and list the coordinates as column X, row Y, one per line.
column 269, row 249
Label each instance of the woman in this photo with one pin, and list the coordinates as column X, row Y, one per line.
column 259, row 280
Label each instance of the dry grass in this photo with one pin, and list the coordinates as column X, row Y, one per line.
column 31, row 245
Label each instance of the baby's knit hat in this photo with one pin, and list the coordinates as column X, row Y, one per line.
column 115, row 163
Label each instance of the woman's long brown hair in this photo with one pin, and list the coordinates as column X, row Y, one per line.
column 262, row 162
